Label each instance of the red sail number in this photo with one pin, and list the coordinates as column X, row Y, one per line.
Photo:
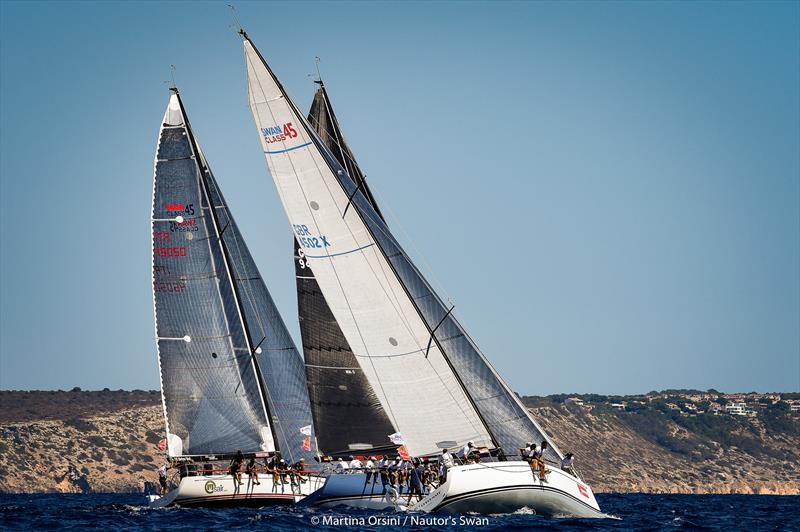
column 289, row 131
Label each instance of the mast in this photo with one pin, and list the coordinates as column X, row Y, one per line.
column 226, row 260
column 314, row 138
column 328, row 355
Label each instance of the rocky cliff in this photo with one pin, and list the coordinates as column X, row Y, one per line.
column 614, row 457
column 108, row 442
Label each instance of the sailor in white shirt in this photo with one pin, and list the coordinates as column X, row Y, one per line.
column 465, row 451
column 445, row 463
column 566, row 463
column 370, row 469
column 341, row 465
column 536, row 459
column 355, row 463
column 446, row 459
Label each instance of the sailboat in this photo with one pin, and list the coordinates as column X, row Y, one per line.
column 434, row 385
column 231, row 378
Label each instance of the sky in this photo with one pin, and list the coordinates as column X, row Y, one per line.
column 609, row 193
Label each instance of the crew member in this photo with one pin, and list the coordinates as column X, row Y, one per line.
column 370, row 468
column 445, row 463
column 466, row 451
column 536, row 456
column 252, row 471
column 162, row 478
column 415, row 481
column 355, row 463
column 236, row 466
column 566, row 464
column 299, row 468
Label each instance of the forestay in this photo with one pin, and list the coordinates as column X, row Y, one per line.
column 418, row 390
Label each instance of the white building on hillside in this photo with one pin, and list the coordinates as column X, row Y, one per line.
column 737, row 409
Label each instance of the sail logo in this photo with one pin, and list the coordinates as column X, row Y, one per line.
column 278, row 133
column 180, row 207
column 212, row 487
column 583, row 490
column 184, row 226
column 307, row 240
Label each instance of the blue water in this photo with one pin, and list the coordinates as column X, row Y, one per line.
column 629, row 511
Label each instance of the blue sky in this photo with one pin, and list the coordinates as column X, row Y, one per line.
column 609, row 192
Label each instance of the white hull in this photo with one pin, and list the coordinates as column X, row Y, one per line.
column 504, row 487
column 221, row 490
column 486, row 488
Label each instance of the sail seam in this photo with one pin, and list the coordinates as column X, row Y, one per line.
column 288, row 149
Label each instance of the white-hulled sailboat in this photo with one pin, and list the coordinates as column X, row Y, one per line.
column 429, row 379
column 231, row 377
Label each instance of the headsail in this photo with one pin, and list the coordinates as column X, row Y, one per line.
column 431, row 379
column 231, row 377
column 347, row 413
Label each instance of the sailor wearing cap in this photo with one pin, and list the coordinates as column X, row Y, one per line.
column 466, row 450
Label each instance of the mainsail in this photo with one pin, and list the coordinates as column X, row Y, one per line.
column 432, row 381
column 231, row 378
column 348, row 415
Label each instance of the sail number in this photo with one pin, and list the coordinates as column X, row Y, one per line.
column 307, row 240
column 278, row 133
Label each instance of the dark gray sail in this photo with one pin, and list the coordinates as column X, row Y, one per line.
column 217, row 397
column 347, row 413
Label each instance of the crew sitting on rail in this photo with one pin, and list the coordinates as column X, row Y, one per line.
column 341, row 466
column 282, row 467
column 370, row 469
column 252, row 472
column 536, row 458
column 355, row 463
column 236, row 466
column 566, row 464
column 299, row 467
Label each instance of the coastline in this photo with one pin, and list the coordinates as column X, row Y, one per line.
column 86, row 449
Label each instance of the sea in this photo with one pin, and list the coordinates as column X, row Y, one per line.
column 625, row 512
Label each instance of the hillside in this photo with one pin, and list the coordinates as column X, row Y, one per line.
column 650, row 450
column 107, row 441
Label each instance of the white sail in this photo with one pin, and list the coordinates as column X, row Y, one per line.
column 415, row 384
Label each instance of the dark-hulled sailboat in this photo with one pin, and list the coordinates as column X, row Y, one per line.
column 231, row 377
